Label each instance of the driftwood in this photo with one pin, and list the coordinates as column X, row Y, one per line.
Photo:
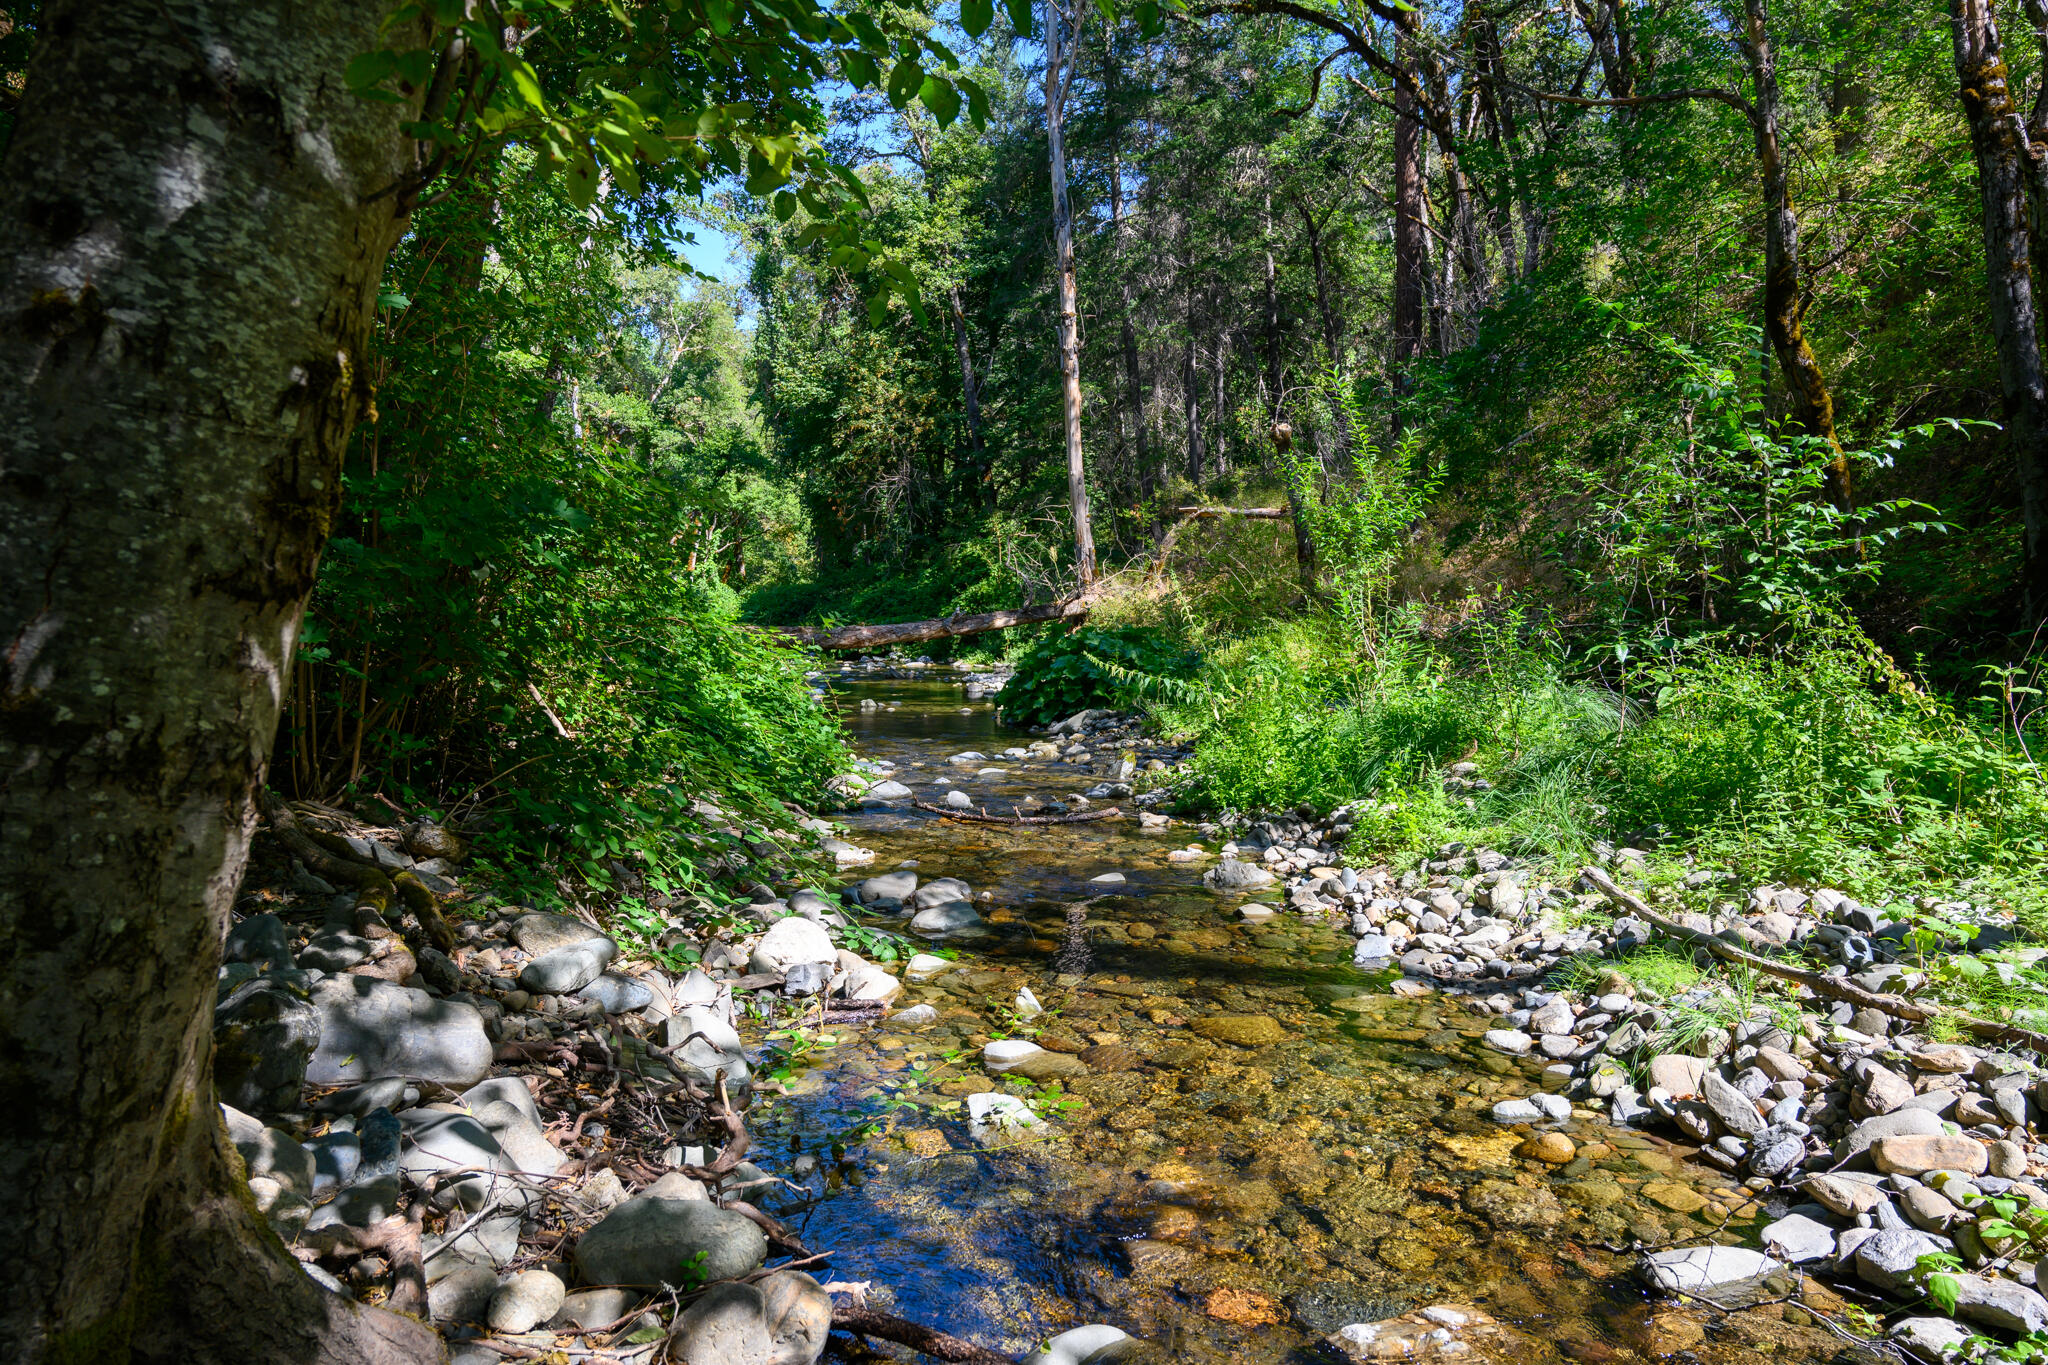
column 326, row 855
column 940, row 628
column 1832, row 987
column 867, row 1322
column 979, row 818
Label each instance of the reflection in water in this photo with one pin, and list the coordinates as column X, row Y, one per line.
column 1249, row 1149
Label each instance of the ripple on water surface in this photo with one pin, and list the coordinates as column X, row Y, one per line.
column 1261, row 1149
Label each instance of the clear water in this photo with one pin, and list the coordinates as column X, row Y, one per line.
column 1224, row 1203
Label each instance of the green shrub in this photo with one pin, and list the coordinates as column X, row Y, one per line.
column 1089, row 667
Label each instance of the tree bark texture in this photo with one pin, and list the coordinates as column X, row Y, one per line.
column 1813, row 407
column 2006, row 168
column 190, row 246
column 1059, row 57
column 1191, row 401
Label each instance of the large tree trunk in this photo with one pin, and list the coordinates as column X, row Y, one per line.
column 970, row 390
column 192, row 237
column 1191, row 402
column 1411, row 250
column 1127, row 334
column 1059, row 55
column 1813, row 408
column 2005, row 170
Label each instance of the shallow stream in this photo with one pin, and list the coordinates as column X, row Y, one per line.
column 1227, row 1203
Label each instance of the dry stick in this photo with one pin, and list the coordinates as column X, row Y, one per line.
column 979, row 818
column 939, row 1345
column 1835, row 988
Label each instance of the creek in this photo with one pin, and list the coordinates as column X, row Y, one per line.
column 1225, row 1202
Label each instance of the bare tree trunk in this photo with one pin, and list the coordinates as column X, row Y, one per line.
column 1191, row 403
column 1059, row 57
column 191, row 234
column 1411, row 250
column 970, row 390
column 1219, row 399
column 1813, row 408
column 1127, row 333
column 2007, row 171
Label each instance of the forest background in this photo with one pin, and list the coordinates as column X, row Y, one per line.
column 1648, row 442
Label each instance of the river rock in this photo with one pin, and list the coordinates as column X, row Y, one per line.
column 1679, row 1075
column 523, row 1141
column 1882, row 1090
column 1232, row 875
column 1732, row 1109
column 525, row 1301
column 1776, row 1152
column 2004, row 1304
column 1930, row 1338
column 616, row 994
column 1919, row 1153
column 1516, row 1111
column 888, row 789
column 1797, row 1239
column 791, row 941
column 1007, row 1054
column 705, row 1045
column 1887, row 1260
column 264, row 1037
column 371, row 1028
column 783, row 1320
column 924, row 966
column 540, row 932
column 889, row 888
column 270, row 1152
column 939, row 890
column 261, row 940
column 1723, row 1275
column 440, row 1142
column 1846, row 1198
column 335, row 949
column 569, row 968
column 1095, row 1344
column 652, row 1240
column 462, row 1295
column 1905, row 1121
column 1511, row 1041
column 1240, row 1030
column 945, row 918
column 869, row 982
column 992, row 1111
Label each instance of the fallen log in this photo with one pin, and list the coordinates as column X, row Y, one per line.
column 980, row 818
column 1210, row 513
column 867, row 1322
column 1832, row 987
column 940, row 628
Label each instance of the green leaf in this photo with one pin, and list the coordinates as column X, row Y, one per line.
column 939, row 96
column 720, row 13
column 581, row 181
column 645, row 1335
column 904, row 80
column 859, row 68
column 527, row 82
column 368, row 70
column 1943, row 1290
column 976, row 15
column 977, row 102
column 1020, row 16
column 785, row 206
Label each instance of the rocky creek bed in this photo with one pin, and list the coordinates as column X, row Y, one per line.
column 1147, row 1090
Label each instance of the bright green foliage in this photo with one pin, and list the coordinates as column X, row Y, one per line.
column 1089, row 667
column 509, row 623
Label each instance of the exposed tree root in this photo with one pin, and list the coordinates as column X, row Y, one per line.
column 327, row 855
column 981, row 818
column 1832, row 987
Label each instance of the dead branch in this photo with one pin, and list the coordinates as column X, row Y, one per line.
column 910, row 632
column 939, row 1345
column 1832, row 987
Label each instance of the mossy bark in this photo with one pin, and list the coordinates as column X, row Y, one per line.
column 192, row 232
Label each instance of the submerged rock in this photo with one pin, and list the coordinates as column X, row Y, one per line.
column 1723, row 1275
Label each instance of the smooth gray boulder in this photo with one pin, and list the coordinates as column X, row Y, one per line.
column 616, row 994
column 651, row 1240
column 2005, row 1304
column 503, row 1090
column 371, row 1028
column 359, row 1206
column 568, row 968
column 1798, row 1239
column 525, row 1301
column 460, row 1150
column 945, row 918
column 888, row 886
column 335, row 950
column 939, row 890
column 270, row 1152
column 523, row 1141
column 1091, row 1345
column 790, row 942
column 1930, row 1339
column 463, row 1295
column 1232, row 875
column 1732, row 1109
column 784, row 1320
column 540, row 932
